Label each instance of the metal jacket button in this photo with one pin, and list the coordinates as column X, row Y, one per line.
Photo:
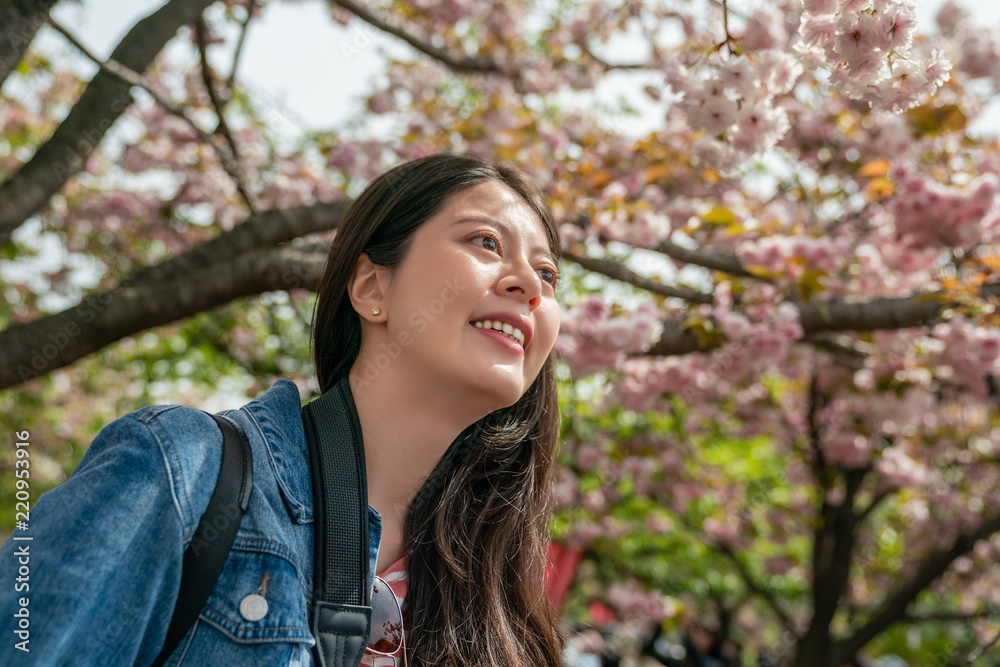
column 253, row 607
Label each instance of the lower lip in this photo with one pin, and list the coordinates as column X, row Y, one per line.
column 500, row 338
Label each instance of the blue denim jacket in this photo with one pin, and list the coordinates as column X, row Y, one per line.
column 106, row 548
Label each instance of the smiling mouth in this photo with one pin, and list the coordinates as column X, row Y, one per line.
column 508, row 330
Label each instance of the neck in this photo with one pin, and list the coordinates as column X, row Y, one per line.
column 406, row 425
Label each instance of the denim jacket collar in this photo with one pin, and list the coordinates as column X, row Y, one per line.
column 277, row 415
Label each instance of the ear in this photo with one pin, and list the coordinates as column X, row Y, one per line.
column 366, row 288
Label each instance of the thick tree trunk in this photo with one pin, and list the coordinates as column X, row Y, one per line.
column 58, row 340
column 832, row 548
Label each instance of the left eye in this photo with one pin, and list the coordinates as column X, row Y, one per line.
column 489, row 242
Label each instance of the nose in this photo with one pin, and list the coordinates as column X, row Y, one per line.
column 520, row 277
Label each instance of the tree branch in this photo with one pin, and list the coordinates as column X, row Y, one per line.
column 20, row 21
column 208, row 78
column 58, row 340
column 262, row 230
column 981, row 650
column 238, row 51
column 758, row 590
column 611, row 66
column 229, row 161
column 676, row 340
column 832, row 315
column 845, row 354
column 456, row 63
column 277, row 226
column 899, row 313
column 620, row 272
column 715, row 261
column 949, row 616
column 735, row 13
column 874, row 504
column 816, row 433
column 895, row 604
column 104, row 99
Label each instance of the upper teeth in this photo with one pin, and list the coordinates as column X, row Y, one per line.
column 508, row 329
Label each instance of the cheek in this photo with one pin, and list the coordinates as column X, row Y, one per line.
column 549, row 327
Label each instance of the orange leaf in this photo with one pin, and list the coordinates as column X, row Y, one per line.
column 656, row 172
column 880, row 189
column 991, row 262
column 950, row 283
column 875, row 168
column 600, row 178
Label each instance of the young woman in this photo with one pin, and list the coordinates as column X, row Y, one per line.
column 438, row 307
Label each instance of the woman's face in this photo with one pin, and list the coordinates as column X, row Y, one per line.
column 480, row 263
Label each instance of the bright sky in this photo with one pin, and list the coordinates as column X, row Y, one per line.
column 294, row 55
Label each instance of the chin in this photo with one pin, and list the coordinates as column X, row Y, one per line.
column 503, row 393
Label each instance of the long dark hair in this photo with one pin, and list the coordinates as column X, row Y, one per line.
column 476, row 530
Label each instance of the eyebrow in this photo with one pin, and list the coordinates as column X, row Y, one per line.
column 538, row 249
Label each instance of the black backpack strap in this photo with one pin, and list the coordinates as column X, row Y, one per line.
column 214, row 537
column 341, row 611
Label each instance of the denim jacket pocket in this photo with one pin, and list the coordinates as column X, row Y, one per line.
column 263, row 568
column 232, row 630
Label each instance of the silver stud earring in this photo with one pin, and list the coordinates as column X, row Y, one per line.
column 376, row 311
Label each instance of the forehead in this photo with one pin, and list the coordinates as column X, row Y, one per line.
column 496, row 202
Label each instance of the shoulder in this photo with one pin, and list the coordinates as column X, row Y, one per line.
column 180, row 447
column 189, row 444
column 184, row 442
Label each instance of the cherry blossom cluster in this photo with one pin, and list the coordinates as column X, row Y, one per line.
column 733, row 103
column 961, row 353
column 756, row 339
column 635, row 604
column 121, row 213
column 641, row 227
column 978, row 46
column 364, row 160
column 585, row 531
column 645, row 381
column 867, row 45
column 847, row 449
column 768, row 328
column 167, row 142
column 980, row 52
column 899, row 469
column 929, row 214
column 886, row 418
column 726, row 529
column 884, row 266
column 792, row 256
column 590, row 339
